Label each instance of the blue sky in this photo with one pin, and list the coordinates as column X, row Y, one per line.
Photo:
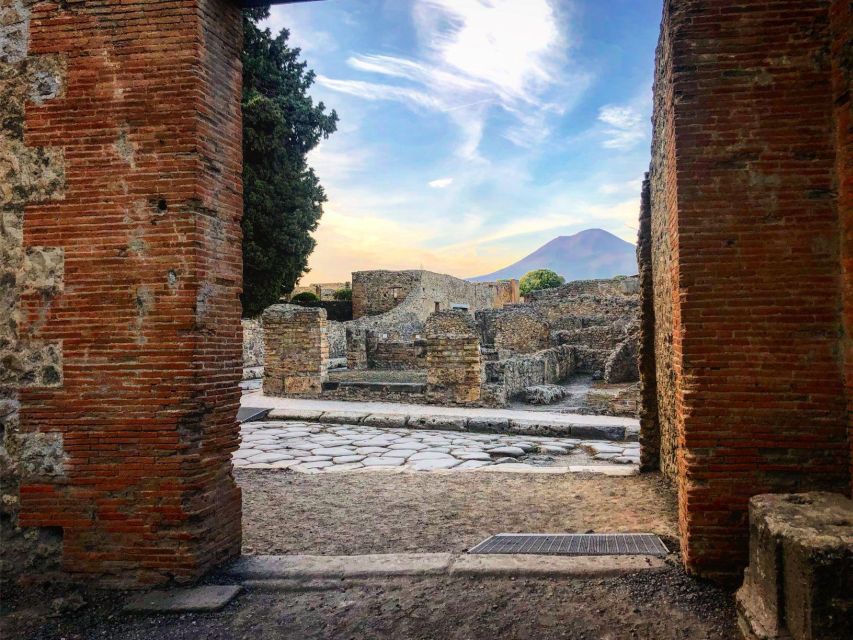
column 473, row 131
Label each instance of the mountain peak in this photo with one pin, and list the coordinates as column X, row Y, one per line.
column 585, row 255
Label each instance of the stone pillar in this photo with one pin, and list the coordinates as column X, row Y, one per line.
column 799, row 582
column 356, row 348
column 121, row 201
column 296, row 347
column 748, row 280
column 454, row 371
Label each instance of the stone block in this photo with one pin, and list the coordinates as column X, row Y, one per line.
column 799, row 582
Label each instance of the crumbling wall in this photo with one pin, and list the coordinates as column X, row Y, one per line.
column 506, row 379
column 121, row 201
column 454, row 372
column 297, row 350
column 514, row 329
column 744, row 190
column 253, row 343
column 377, row 292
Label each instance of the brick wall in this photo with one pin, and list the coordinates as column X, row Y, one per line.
column 136, row 128
column 296, row 347
column 453, row 358
column 745, row 260
column 841, row 18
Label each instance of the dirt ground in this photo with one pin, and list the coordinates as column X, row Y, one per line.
column 380, row 512
column 355, row 513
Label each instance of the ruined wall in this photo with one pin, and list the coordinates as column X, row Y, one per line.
column 296, row 346
column 506, row 379
column 650, row 445
column 585, row 303
column 377, row 292
column 514, row 329
column 743, row 190
column 392, row 354
column 453, row 358
column 253, row 343
column 121, row 205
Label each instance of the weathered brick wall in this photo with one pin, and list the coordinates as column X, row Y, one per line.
column 650, row 444
column 128, row 154
column 391, row 354
column 297, row 350
column 453, row 358
column 745, row 227
column 841, row 18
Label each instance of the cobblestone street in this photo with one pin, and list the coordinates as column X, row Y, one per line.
column 317, row 448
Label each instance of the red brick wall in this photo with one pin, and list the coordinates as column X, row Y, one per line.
column 759, row 395
column 149, row 124
column 841, row 17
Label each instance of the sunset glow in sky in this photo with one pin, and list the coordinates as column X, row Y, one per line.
column 473, row 131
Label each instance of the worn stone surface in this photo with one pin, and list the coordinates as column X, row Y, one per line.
column 799, row 582
column 204, row 598
column 544, row 394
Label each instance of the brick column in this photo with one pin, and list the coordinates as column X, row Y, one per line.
column 454, row 371
column 745, row 261
column 296, row 346
column 127, row 134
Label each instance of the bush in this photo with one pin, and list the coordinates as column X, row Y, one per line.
column 305, row 296
column 343, row 294
column 539, row 279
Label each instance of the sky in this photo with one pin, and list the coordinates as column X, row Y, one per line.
column 473, row 131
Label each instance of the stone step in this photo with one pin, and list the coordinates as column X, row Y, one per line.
column 413, row 388
column 295, row 568
column 529, row 425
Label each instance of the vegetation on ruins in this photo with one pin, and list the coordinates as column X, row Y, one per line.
column 282, row 196
column 305, row 296
column 343, row 294
column 539, row 279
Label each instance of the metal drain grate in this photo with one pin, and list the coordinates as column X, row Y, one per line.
column 574, row 544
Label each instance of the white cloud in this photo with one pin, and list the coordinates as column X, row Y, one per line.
column 474, row 56
column 626, row 126
column 440, row 183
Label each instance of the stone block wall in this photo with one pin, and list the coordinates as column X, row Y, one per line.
column 454, row 372
column 514, row 329
column 253, row 343
column 506, row 379
column 297, row 350
column 376, row 292
column 121, row 203
column 747, row 267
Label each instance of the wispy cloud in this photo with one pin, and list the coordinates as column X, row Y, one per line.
column 626, row 126
column 440, row 183
column 474, row 56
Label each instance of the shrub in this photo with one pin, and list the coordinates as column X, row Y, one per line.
column 305, row 296
column 539, row 279
column 343, row 294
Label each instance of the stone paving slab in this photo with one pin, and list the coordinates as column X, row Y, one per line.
column 463, row 418
column 358, row 566
column 293, row 570
column 317, row 448
column 193, row 599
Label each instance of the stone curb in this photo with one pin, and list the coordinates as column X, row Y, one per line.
column 296, row 572
column 510, row 426
column 203, row 598
column 620, row 470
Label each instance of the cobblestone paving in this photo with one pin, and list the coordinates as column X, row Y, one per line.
column 319, row 448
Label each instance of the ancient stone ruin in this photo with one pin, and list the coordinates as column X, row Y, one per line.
column 121, row 201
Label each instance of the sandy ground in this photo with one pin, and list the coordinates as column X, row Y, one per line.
column 354, row 513
column 379, row 512
column 666, row 605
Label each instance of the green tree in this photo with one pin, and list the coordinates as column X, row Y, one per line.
column 343, row 294
column 282, row 197
column 305, row 296
column 539, row 279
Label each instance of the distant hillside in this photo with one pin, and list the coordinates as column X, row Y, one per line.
column 587, row 255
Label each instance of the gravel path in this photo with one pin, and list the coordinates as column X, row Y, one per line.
column 355, row 513
column 316, row 448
